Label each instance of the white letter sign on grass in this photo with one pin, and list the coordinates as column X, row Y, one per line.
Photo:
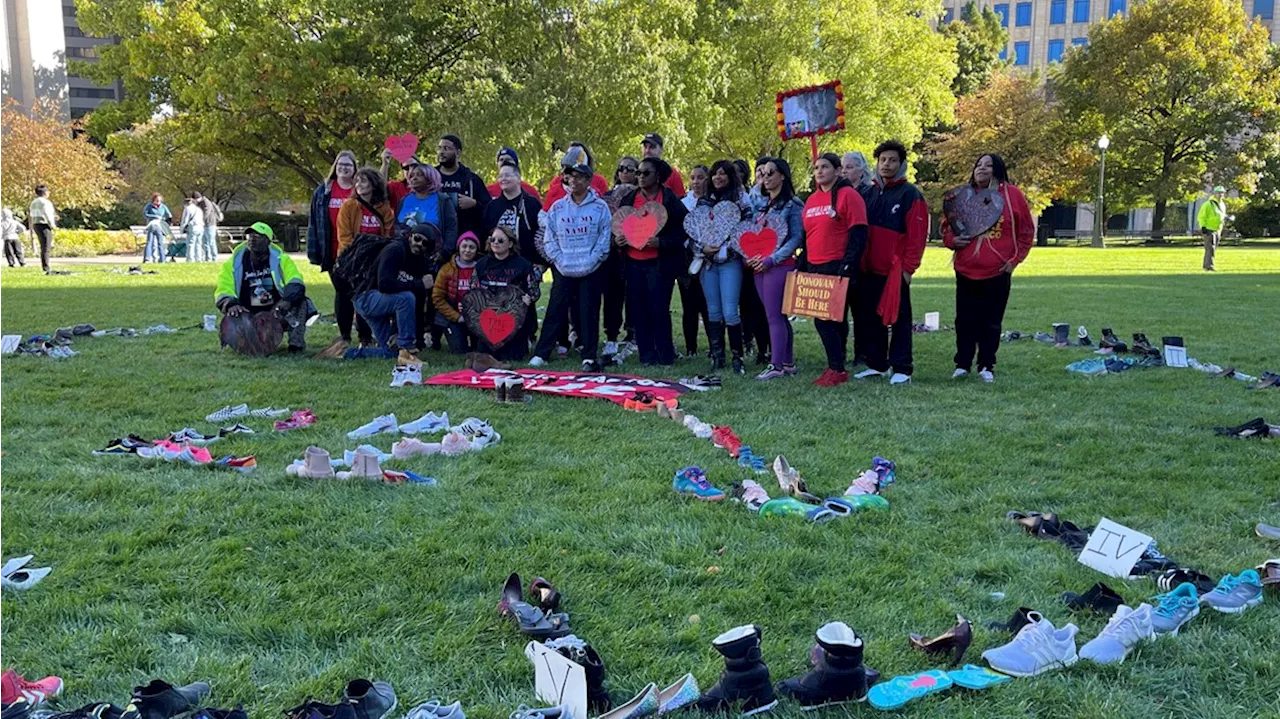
column 558, row 680
column 1113, row 549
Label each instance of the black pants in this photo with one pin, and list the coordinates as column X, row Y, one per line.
column 344, row 311
column 615, row 296
column 582, row 295
column 460, row 340
column 979, row 313
column 649, row 307
column 755, row 323
column 835, row 335
column 693, row 304
column 883, row 352
column 45, row 234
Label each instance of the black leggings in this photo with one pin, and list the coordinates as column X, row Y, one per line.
column 344, row 310
column 693, row 304
column 980, row 308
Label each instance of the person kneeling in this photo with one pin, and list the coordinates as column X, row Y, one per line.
column 261, row 294
column 388, row 294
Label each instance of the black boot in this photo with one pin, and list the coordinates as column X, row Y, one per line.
column 715, row 337
column 837, row 676
column 161, row 700
column 1109, row 340
column 598, row 701
column 735, row 346
column 1060, row 330
column 745, row 679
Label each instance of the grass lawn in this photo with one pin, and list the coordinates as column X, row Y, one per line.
column 276, row 588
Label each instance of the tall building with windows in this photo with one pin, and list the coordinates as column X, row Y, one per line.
column 40, row 38
column 1041, row 31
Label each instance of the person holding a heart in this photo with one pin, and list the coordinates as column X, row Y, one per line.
column 722, row 267
column 615, row 288
column 772, row 258
column 655, row 248
column 504, row 267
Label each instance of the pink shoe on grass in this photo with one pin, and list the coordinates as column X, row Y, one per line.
column 14, row 687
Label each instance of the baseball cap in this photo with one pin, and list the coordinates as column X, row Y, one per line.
column 652, row 138
column 508, row 154
column 262, row 228
column 576, row 159
column 1219, row 188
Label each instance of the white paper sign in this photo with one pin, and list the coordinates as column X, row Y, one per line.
column 1175, row 356
column 558, row 680
column 932, row 320
column 1113, row 549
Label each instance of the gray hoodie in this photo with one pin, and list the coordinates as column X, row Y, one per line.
column 576, row 238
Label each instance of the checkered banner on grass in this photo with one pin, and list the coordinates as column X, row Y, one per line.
column 614, row 387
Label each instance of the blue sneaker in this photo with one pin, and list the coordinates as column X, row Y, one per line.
column 746, row 458
column 692, row 481
column 886, row 469
column 1233, row 595
column 1173, row 609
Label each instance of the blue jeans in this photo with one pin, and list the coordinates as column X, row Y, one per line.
column 195, row 243
column 154, row 250
column 722, row 285
column 378, row 309
column 210, row 239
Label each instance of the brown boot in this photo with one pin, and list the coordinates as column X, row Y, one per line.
column 409, row 358
column 335, row 349
column 481, row 361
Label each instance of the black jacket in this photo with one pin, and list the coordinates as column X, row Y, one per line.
column 522, row 213
column 465, row 182
column 671, row 238
column 320, row 230
column 399, row 270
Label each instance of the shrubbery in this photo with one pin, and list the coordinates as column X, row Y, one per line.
column 90, row 243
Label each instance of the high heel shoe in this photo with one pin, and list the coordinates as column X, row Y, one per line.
column 546, row 595
column 956, row 640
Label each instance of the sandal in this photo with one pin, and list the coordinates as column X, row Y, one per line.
column 511, row 594
column 535, row 623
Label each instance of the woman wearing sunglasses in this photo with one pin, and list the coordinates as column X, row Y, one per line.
column 504, row 267
column 771, row 270
column 615, row 288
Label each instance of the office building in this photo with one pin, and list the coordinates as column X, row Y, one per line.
column 40, row 38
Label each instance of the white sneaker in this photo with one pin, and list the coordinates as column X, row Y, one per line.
column 987, row 376
column 899, row 378
column 702, row 430
column 401, row 375
column 959, row 373
column 611, row 348
column 864, row 374
column 1038, row 648
column 226, row 413
column 269, row 412
column 1126, row 629
column 385, row 423
column 562, row 351
column 429, row 423
column 536, row 361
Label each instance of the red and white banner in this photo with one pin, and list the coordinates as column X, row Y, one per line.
column 614, row 387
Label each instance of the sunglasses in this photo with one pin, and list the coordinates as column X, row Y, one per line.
column 768, row 173
column 644, row 173
column 499, row 238
column 626, row 168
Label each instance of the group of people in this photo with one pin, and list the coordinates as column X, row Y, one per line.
column 402, row 254
column 199, row 223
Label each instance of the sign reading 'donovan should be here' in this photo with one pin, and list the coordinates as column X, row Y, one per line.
column 811, row 295
column 1113, row 548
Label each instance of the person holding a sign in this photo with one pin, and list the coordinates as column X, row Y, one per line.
column 898, row 222
column 771, row 269
column 984, row 267
column 835, row 235
column 653, row 264
column 504, row 267
column 722, row 271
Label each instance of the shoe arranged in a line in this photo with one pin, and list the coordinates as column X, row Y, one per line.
column 406, row 375
column 790, row 481
column 1061, row 332
column 724, row 438
column 161, row 700
column 414, row 447
column 540, row 625
column 902, row 690
column 1082, row 337
column 610, row 348
column 701, row 383
column 954, row 641
column 243, row 465
column 845, row 506
column 792, row 507
column 679, row 694
column 1266, row 531
column 117, row 446
column 479, row 433
column 700, row 429
column 301, row 418
column 837, row 676
column 1126, row 629
column 745, row 682
column 1098, row 598
column 1170, row 579
column 227, row 413
column 1234, row 594
column 25, row 578
column 14, row 687
column 900, row 378
column 379, row 425
column 236, row 428
column 435, row 709
column 429, row 423
column 1111, row 342
column 831, row 378
column 692, row 482
column 557, row 712
column 454, row 444
column 865, row 484
column 269, row 412
column 371, row 700
column 751, row 461
column 641, row 402
column 644, row 704
column 1039, row 647
column 771, row 371
column 315, row 464
column 750, row 493
column 1174, row 609
column 1256, row 427
column 1269, row 572
column 868, row 373
column 364, row 465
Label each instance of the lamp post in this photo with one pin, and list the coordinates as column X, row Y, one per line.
column 1099, row 214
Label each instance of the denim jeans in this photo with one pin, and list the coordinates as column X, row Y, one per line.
column 195, row 243
column 210, row 243
column 722, row 285
column 154, row 250
column 380, row 309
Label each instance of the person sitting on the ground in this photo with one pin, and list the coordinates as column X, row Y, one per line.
column 258, row 279
column 452, row 284
column 389, row 293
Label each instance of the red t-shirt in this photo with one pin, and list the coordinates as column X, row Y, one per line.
column 337, row 196
column 676, row 182
column 646, row 253
column 826, row 232
column 463, row 281
column 370, row 223
column 556, row 190
column 495, row 190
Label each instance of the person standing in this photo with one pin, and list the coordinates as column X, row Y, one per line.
column 984, row 269
column 458, row 179
column 514, row 208
column 322, row 246
column 1212, row 216
column 12, row 231
column 615, row 288
column 721, row 277
column 854, row 168
column 504, row 267
column 508, row 156
column 835, row 236
column 771, row 270
column 652, row 146
column 652, row 270
column 699, row 178
column 212, row 216
column 898, row 227
column 158, row 217
column 192, row 226
column 43, row 219
column 576, row 243
column 693, row 303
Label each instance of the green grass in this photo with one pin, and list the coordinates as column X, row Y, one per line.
column 276, row 588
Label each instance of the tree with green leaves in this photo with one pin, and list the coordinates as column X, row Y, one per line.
column 979, row 38
column 41, row 148
column 1177, row 85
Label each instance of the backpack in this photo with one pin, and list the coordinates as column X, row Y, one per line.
column 358, row 264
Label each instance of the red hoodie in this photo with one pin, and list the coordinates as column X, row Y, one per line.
column 556, row 190
column 1009, row 241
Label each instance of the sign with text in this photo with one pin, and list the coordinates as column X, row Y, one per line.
column 558, row 680
column 616, row 388
column 821, row 297
column 1113, row 549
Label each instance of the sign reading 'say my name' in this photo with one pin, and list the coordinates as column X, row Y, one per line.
column 818, row 296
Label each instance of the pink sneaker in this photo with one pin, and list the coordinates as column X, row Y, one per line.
column 866, row 483
column 301, row 418
column 411, row 447
column 13, row 687
column 455, row 444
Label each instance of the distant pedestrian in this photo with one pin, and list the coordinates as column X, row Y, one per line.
column 43, row 219
column 192, row 225
column 12, row 231
column 212, row 216
column 158, row 217
column 1213, row 215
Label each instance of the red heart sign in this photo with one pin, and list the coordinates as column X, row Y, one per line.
column 403, row 146
column 497, row 326
column 758, row 244
column 639, row 228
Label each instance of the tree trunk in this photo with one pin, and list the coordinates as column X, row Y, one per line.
column 1157, row 221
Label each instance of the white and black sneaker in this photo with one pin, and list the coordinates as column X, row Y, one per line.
column 268, row 412
column 227, row 413
column 590, row 366
column 236, row 428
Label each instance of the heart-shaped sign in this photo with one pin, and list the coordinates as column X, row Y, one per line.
column 402, row 147
column 712, row 225
column 638, row 225
column 494, row 313
column 971, row 212
column 760, row 237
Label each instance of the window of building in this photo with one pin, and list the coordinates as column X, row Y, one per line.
column 1022, row 53
column 948, row 14
column 73, row 31
column 1264, row 8
column 1022, row 18
column 68, row 10
column 1080, row 11
column 1077, row 41
column 93, row 92
column 1116, row 7
column 1004, row 53
column 1003, row 11
column 82, row 52
column 1058, row 12
column 1056, row 48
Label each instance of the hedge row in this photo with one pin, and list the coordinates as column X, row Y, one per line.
column 91, row 243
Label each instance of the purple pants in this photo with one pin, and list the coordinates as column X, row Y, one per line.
column 770, row 285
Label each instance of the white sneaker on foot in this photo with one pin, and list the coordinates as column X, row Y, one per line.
column 959, row 373
column 385, row 423
column 864, row 374
column 536, row 361
column 899, row 378
column 987, row 376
